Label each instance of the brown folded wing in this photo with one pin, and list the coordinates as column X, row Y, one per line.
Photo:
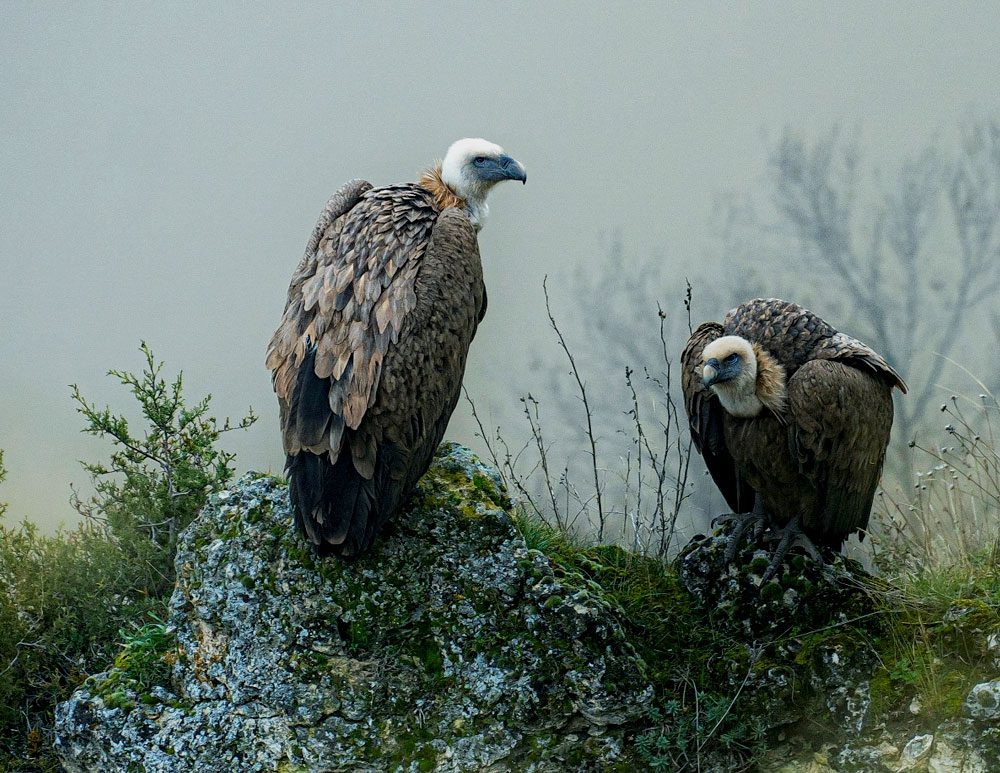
column 842, row 416
column 368, row 360
column 706, row 418
column 794, row 336
column 347, row 304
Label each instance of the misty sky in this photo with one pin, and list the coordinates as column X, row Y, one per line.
column 163, row 165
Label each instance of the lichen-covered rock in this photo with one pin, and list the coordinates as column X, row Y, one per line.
column 795, row 628
column 450, row 647
column 916, row 752
column 951, row 748
column 983, row 702
column 804, row 593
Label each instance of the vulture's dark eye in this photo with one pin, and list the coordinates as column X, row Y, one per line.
column 479, row 160
column 732, row 357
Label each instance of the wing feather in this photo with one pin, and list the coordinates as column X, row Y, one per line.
column 286, row 350
column 344, row 307
column 842, row 419
column 706, row 419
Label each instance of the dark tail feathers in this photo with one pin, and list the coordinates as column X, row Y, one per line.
column 332, row 503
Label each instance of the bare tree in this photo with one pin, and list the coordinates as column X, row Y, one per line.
column 908, row 261
column 910, row 264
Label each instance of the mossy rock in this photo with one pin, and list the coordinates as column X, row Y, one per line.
column 802, row 642
column 451, row 646
column 473, row 637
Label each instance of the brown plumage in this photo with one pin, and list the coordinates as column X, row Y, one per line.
column 368, row 359
column 799, row 433
column 444, row 196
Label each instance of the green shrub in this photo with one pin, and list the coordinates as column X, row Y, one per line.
column 63, row 602
column 155, row 484
column 68, row 601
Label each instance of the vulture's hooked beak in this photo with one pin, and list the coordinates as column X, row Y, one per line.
column 711, row 373
column 512, row 169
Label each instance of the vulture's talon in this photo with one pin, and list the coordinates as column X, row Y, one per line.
column 788, row 537
column 719, row 520
column 758, row 520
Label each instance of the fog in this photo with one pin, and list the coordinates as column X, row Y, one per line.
column 163, row 166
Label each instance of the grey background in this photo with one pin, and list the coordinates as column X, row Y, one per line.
column 161, row 166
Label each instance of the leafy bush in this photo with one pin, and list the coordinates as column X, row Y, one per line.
column 68, row 601
column 155, row 484
column 64, row 599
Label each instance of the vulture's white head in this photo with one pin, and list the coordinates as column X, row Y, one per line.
column 471, row 168
column 730, row 369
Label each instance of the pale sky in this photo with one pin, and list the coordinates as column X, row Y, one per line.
column 163, row 165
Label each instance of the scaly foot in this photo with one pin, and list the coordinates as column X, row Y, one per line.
column 757, row 519
column 788, row 537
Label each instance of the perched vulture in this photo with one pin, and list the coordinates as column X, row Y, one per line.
column 368, row 359
column 792, row 419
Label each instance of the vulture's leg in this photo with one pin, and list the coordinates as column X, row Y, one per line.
column 757, row 518
column 788, row 537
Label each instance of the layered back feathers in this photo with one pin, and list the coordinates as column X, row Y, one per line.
column 794, row 335
column 355, row 292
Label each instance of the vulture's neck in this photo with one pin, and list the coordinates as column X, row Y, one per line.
column 444, row 197
column 746, row 396
column 770, row 388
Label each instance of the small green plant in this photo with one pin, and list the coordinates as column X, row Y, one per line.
column 142, row 655
column 681, row 731
column 155, row 482
column 906, row 669
column 143, row 663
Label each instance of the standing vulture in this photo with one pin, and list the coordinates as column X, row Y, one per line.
column 368, row 359
column 792, row 419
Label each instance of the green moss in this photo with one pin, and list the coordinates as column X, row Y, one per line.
column 885, row 695
column 432, row 659
column 771, row 591
column 118, row 700
column 448, row 485
column 406, row 745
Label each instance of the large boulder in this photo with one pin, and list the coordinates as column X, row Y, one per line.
column 455, row 646
column 451, row 646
